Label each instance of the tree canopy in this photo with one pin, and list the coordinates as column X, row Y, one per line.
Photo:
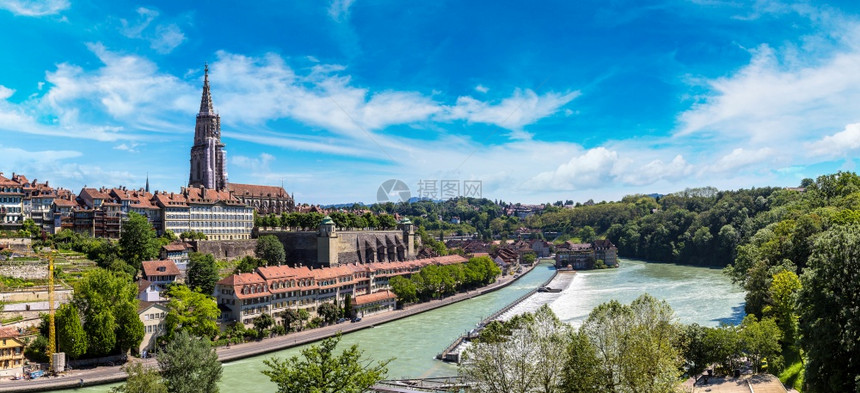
column 271, row 250
column 137, row 240
column 191, row 311
column 321, row 370
column 189, row 365
column 202, row 273
column 108, row 303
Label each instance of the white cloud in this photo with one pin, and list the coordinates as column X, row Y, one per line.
column 6, row 92
column 167, row 38
column 841, row 143
column 601, row 167
column 135, row 29
column 482, row 89
column 14, row 156
column 129, row 147
column 739, row 158
column 259, row 164
column 522, row 108
column 35, row 7
column 163, row 38
column 780, row 95
column 339, row 9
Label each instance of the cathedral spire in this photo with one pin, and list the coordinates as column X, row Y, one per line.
column 206, row 101
column 147, row 181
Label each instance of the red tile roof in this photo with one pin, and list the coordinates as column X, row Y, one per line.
column 159, row 268
column 373, row 297
column 241, row 279
column 257, row 190
column 95, row 194
column 8, row 332
column 178, row 246
column 142, row 284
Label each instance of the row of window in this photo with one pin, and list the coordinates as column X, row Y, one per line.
column 155, row 315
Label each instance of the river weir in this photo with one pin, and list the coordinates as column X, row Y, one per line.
column 697, row 294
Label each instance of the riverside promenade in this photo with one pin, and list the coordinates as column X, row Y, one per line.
column 104, row 375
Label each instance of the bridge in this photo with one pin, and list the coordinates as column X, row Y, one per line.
column 424, row 385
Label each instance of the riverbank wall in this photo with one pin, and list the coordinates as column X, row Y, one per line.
column 106, row 375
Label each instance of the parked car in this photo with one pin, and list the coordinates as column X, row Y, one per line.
column 356, row 319
column 342, row 320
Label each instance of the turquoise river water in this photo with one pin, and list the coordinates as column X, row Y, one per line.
column 700, row 295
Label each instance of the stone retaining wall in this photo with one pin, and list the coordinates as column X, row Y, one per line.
column 226, row 249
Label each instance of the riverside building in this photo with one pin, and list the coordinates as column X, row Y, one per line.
column 275, row 289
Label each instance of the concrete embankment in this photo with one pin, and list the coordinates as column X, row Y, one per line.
column 452, row 352
column 104, row 375
column 560, row 282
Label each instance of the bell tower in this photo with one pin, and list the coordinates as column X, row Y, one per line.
column 208, row 157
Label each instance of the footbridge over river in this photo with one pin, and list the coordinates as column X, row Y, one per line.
column 424, row 385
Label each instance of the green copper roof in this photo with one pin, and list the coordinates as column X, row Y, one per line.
column 327, row 220
column 405, row 221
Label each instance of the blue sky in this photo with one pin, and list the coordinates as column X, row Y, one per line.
column 540, row 101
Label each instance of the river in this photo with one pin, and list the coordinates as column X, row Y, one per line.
column 696, row 294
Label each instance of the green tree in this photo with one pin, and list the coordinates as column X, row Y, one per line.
column 696, row 353
column 636, row 345
column 404, row 288
column 29, row 226
column 527, row 360
column 347, row 306
column 189, row 365
column 829, row 314
column 130, row 329
column 529, row 258
column 328, row 311
column 137, row 240
column 783, row 294
column 101, row 333
column 141, row 379
column 583, row 371
column 202, row 273
column 248, row 264
column 288, row 317
column 760, row 340
column 191, row 311
column 271, row 250
column 70, row 332
column 303, row 316
column 102, row 297
column 724, row 346
column 263, row 322
column 321, row 370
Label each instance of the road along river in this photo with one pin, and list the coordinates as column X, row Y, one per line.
column 700, row 295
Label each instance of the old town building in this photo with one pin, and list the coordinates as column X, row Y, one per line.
column 11, row 203
column 581, row 256
column 274, row 289
column 214, row 213
column 153, row 316
column 11, row 352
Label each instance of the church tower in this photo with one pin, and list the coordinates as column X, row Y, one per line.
column 208, row 158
